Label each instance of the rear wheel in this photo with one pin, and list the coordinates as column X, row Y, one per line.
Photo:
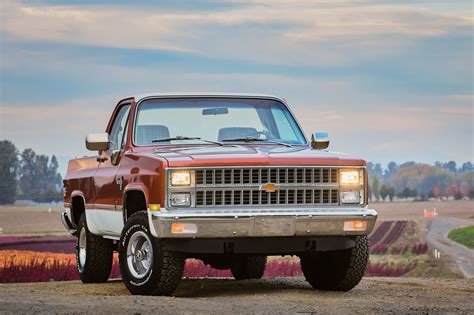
column 146, row 267
column 339, row 270
column 93, row 255
column 248, row 267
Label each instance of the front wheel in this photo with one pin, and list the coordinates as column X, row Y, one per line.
column 339, row 270
column 146, row 267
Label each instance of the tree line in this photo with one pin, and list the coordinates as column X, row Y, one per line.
column 28, row 176
column 421, row 181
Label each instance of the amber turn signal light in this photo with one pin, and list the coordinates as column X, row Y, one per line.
column 355, row 225
column 179, row 228
column 154, row 207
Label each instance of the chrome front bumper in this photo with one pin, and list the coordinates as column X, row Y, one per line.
column 269, row 223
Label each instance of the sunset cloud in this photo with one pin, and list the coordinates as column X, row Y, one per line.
column 295, row 29
column 387, row 79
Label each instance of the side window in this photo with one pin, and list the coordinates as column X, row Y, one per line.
column 118, row 134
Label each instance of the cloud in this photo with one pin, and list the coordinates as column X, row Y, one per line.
column 375, row 76
column 462, row 97
column 458, row 110
column 57, row 128
column 107, row 26
column 266, row 31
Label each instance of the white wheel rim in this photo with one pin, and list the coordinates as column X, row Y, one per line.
column 82, row 248
column 139, row 254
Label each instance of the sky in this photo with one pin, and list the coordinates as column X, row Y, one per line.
column 389, row 81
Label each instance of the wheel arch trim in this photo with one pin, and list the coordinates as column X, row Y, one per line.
column 133, row 187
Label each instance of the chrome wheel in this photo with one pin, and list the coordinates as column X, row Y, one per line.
column 82, row 248
column 139, row 254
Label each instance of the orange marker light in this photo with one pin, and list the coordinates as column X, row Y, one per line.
column 179, row 228
column 154, row 207
column 355, row 225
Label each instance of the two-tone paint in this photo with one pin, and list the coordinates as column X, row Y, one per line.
column 102, row 187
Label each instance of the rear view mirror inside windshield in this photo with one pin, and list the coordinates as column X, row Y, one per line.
column 215, row 111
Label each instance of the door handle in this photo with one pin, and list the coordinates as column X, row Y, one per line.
column 119, row 182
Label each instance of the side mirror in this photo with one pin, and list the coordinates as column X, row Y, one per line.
column 97, row 141
column 320, row 140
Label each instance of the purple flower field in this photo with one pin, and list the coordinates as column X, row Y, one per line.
column 38, row 259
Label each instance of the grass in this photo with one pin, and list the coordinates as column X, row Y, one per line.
column 463, row 236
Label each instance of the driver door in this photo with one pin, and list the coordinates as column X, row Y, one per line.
column 108, row 186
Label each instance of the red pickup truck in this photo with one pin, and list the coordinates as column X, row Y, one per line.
column 228, row 179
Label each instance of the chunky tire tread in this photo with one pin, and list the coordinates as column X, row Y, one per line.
column 99, row 256
column 338, row 270
column 248, row 267
column 168, row 266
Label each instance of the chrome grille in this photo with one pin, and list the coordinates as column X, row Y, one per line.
column 261, row 176
column 241, row 186
column 256, row 197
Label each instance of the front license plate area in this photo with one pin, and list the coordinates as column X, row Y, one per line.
column 274, row 227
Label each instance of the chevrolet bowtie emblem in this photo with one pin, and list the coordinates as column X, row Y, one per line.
column 269, row 187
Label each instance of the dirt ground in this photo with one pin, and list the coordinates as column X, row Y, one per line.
column 463, row 209
column 272, row 296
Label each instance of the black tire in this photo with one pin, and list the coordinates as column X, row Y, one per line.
column 248, row 267
column 164, row 268
column 339, row 270
column 96, row 265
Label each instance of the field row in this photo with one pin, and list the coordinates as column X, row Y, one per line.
column 38, row 259
column 24, row 266
column 387, row 233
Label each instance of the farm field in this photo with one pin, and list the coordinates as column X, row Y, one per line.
column 463, row 209
column 399, row 247
column 413, row 280
column 31, row 220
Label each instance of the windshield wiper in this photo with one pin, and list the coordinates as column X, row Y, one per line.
column 254, row 139
column 185, row 138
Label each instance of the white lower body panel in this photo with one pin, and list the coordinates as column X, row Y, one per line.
column 104, row 222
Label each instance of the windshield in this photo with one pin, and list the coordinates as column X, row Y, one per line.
column 228, row 120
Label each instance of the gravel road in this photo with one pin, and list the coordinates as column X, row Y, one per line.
column 217, row 296
column 437, row 237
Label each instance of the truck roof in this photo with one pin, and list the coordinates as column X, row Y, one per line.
column 139, row 97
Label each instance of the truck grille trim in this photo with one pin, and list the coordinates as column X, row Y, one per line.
column 255, row 197
column 261, row 176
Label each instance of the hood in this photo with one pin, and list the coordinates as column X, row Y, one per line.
column 250, row 155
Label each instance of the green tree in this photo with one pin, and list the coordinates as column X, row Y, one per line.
column 422, row 178
column 375, row 187
column 391, row 192
column 383, row 191
column 392, row 168
column 467, row 167
column 39, row 179
column 8, row 171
